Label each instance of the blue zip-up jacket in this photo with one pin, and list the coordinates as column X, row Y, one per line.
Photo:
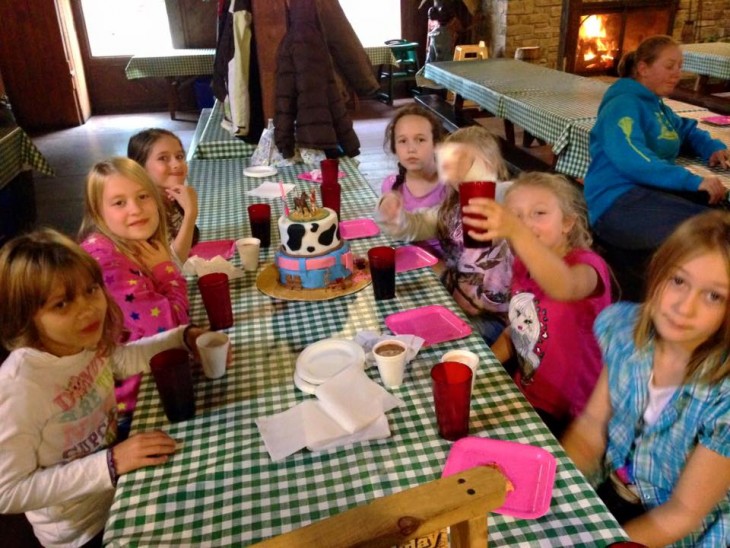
column 635, row 141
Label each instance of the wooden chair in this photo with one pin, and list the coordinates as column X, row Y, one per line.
column 468, row 52
column 406, row 66
column 460, row 501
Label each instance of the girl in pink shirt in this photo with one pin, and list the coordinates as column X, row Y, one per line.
column 124, row 230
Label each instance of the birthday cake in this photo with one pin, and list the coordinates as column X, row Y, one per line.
column 312, row 255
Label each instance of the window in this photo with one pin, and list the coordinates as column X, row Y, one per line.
column 374, row 21
column 126, row 27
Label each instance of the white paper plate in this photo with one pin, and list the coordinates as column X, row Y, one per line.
column 260, row 171
column 304, row 386
column 324, row 359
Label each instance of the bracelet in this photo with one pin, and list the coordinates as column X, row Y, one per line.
column 185, row 335
column 112, row 468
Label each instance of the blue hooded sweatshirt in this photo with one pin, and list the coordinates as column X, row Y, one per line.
column 635, row 141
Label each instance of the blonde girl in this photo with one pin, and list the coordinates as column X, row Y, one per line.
column 655, row 434
column 59, row 460
column 123, row 229
column 161, row 153
column 558, row 288
column 478, row 279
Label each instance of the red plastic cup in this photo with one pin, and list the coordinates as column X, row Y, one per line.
column 382, row 272
column 467, row 191
column 216, row 299
column 452, row 398
column 330, row 168
column 174, row 380
column 259, row 217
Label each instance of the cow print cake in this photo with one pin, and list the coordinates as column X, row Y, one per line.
column 313, row 255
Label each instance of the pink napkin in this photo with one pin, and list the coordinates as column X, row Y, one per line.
column 208, row 250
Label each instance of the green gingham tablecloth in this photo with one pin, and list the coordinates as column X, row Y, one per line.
column 217, row 142
column 380, row 55
column 222, row 489
column 18, row 153
column 708, row 59
column 172, row 64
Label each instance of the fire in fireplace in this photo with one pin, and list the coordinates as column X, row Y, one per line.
column 596, row 34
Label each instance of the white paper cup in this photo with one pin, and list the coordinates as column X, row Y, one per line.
column 248, row 251
column 391, row 362
column 213, row 349
column 467, row 358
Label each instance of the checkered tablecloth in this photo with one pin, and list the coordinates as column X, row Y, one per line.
column 217, row 142
column 172, row 64
column 222, row 489
column 18, row 153
column 709, row 59
column 380, row 55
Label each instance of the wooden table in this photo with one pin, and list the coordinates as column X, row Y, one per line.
column 179, row 67
column 222, row 489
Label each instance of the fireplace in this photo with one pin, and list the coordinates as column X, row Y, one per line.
column 594, row 35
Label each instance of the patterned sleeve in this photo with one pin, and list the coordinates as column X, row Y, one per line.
column 715, row 431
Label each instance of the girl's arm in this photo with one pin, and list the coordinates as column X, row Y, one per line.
column 187, row 198
column 585, row 439
column 704, row 482
column 502, row 348
column 558, row 279
column 400, row 224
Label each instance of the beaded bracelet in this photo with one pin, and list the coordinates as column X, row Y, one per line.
column 112, row 468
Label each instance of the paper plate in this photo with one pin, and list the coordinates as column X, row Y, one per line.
column 304, row 386
column 324, row 359
column 268, row 283
column 434, row 324
column 260, row 171
column 208, row 250
column 530, row 469
column 358, row 228
column 410, row 257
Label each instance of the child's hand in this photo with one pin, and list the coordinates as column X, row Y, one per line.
column 499, row 223
column 152, row 253
column 714, row 187
column 454, row 160
column 140, row 450
column 186, row 197
column 720, row 158
column 390, row 207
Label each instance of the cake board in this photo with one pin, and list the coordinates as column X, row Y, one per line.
column 268, row 283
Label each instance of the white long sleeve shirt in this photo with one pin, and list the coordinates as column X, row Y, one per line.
column 58, row 414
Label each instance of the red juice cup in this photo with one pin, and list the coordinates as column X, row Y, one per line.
column 174, row 380
column 330, row 168
column 217, row 299
column 467, row 191
column 452, row 398
column 259, row 217
column 330, row 188
column 382, row 272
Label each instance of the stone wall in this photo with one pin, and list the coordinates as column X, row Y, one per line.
column 517, row 23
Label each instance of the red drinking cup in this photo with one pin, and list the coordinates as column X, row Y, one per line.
column 259, row 217
column 452, row 398
column 382, row 272
column 330, row 168
column 216, row 299
column 467, row 191
column 330, row 188
column 174, row 380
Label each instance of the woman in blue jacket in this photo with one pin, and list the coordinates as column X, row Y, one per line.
column 636, row 194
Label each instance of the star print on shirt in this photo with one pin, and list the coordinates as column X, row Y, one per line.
column 134, row 315
column 108, row 279
column 132, row 282
column 129, row 298
column 170, row 269
column 155, row 312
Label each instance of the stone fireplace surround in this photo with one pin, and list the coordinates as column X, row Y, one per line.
column 517, row 23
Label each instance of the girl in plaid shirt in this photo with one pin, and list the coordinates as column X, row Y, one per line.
column 657, row 427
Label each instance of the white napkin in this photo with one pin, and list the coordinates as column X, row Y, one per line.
column 200, row 267
column 350, row 408
column 368, row 339
column 270, row 190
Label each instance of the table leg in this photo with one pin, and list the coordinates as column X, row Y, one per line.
column 701, row 84
column 172, row 95
column 509, row 131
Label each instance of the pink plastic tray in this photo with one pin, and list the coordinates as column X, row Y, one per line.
column 410, row 257
column 307, row 176
column 717, row 120
column 434, row 324
column 530, row 469
column 358, row 228
column 208, row 250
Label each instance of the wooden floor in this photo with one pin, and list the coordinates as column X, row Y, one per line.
column 72, row 152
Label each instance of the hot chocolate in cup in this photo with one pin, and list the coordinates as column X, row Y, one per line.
column 390, row 355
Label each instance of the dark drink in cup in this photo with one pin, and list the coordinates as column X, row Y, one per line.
column 382, row 272
column 330, row 189
column 467, row 191
column 259, row 217
column 216, row 295
column 451, row 383
column 174, row 381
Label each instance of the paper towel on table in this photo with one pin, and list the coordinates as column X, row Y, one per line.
column 336, row 418
column 270, row 190
column 368, row 339
column 200, row 267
